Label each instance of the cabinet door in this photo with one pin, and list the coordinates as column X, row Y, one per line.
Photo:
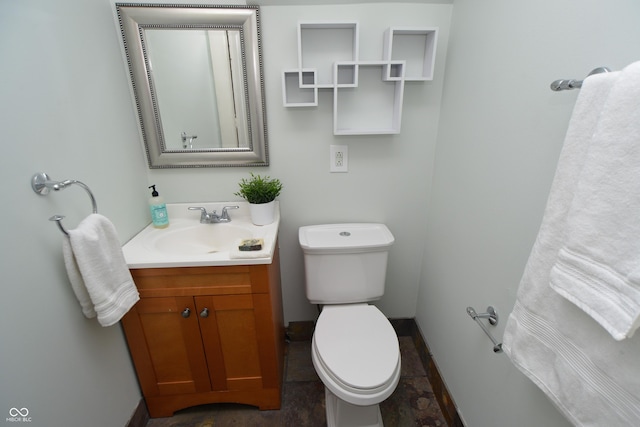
column 228, row 327
column 164, row 339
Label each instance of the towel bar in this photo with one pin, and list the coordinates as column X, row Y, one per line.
column 41, row 184
column 492, row 316
column 564, row 84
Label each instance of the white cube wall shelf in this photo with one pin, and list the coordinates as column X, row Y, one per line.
column 320, row 44
column 345, row 74
column 415, row 45
column 373, row 104
column 299, row 89
column 367, row 95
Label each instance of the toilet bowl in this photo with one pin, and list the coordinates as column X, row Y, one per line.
column 355, row 349
column 356, row 355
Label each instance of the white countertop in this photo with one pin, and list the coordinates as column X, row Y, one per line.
column 187, row 243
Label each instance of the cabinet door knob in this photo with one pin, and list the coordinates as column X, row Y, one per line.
column 204, row 312
column 186, row 312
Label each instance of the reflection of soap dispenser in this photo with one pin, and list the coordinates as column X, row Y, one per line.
column 159, row 214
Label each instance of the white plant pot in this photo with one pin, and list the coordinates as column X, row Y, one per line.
column 263, row 213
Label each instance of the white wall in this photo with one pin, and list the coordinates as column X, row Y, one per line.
column 389, row 177
column 500, row 134
column 65, row 110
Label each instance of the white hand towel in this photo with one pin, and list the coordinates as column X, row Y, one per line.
column 592, row 379
column 598, row 267
column 98, row 272
column 75, row 278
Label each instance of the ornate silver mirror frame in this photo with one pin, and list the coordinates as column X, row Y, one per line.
column 135, row 19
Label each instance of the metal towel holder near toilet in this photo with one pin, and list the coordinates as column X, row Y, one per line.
column 492, row 316
column 566, row 84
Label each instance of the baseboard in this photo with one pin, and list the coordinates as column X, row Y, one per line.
column 447, row 405
column 300, row 331
column 303, row 331
column 140, row 416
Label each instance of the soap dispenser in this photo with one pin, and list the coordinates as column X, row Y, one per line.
column 159, row 214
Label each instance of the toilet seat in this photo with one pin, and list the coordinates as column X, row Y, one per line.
column 356, row 350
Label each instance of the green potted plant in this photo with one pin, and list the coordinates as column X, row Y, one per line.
column 260, row 192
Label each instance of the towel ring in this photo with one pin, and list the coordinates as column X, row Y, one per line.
column 41, row 184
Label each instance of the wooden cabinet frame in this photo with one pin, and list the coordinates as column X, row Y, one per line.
column 208, row 334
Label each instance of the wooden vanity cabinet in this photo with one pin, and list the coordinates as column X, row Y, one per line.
column 207, row 334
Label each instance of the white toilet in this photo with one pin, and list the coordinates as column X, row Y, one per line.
column 355, row 349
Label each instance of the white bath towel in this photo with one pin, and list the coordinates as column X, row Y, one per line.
column 593, row 379
column 97, row 270
column 598, row 267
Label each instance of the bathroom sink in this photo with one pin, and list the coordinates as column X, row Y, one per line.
column 188, row 243
column 185, row 238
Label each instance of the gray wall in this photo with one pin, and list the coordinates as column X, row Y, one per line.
column 500, row 134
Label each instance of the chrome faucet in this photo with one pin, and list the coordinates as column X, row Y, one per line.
column 213, row 217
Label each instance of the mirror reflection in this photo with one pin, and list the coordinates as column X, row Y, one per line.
column 196, row 73
column 198, row 81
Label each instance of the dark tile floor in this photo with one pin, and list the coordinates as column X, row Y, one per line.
column 412, row 403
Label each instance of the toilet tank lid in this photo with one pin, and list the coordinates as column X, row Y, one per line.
column 354, row 237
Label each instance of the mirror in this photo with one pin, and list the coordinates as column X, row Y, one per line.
column 196, row 74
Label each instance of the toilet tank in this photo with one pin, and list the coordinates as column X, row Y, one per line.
column 345, row 263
